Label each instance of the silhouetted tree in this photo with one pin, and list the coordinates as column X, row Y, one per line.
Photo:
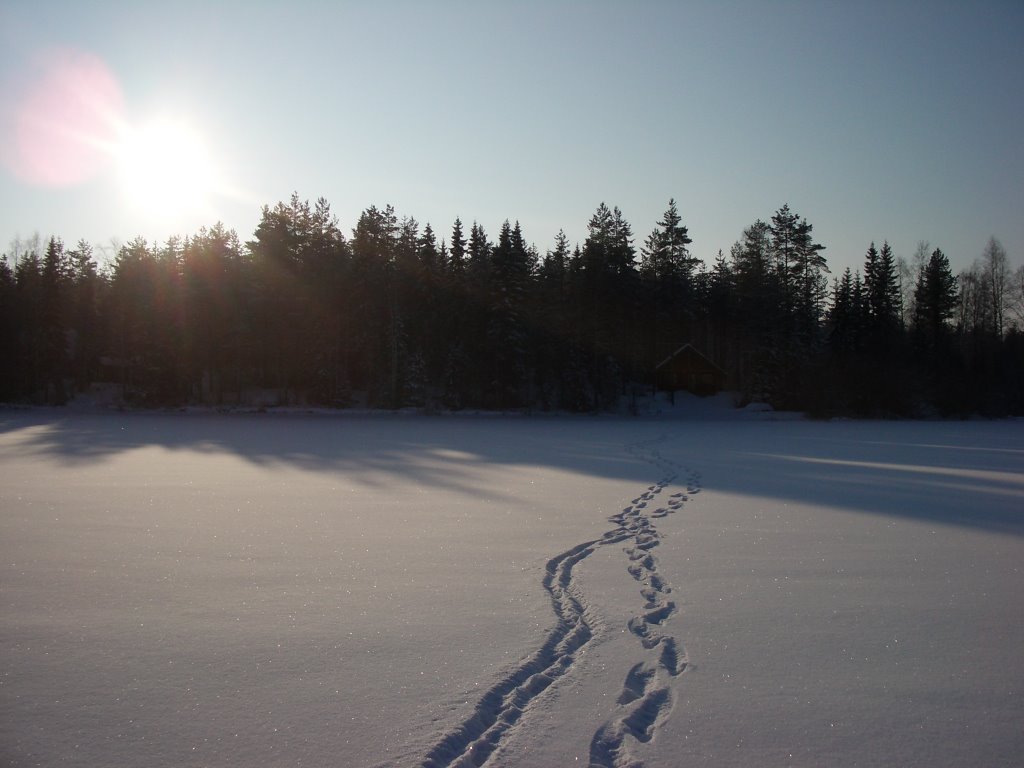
column 374, row 241
column 144, row 312
column 667, row 275
column 996, row 271
column 216, row 318
column 760, row 306
column 883, row 298
column 404, row 320
column 935, row 297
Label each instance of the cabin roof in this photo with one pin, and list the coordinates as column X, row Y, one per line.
column 693, row 350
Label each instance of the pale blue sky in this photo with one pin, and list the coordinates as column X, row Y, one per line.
column 875, row 120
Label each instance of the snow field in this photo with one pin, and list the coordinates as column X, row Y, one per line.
column 846, row 612
column 367, row 591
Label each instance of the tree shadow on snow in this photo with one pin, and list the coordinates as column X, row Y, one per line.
column 437, row 451
column 968, row 474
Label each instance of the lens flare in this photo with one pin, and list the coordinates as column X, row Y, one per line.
column 65, row 121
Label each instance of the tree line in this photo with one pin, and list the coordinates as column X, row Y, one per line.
column 393, row 316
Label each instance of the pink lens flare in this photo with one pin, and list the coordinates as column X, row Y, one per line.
column 66, row 119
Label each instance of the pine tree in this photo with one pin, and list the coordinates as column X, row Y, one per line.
column 784, row 240
column 667, row 275
column 143, row 319
column 301, row 262
column 752, row 261
column 609, row 292
column 215, row 321
column 801, row 269
column 809, row 284
column 278, row 300
column 665, row 256
column 761, row 312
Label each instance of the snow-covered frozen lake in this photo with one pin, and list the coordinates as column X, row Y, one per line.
column 288, row 590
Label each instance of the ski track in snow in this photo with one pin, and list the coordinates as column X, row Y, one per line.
column 646, row 699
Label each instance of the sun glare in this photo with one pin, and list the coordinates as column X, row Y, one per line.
column 166, row 169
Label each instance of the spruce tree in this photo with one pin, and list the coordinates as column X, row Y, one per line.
column 10, row 362
column 478, row 354
column 507, row 330
column 935, row 297
column 31, row 341
column 457, row 250
column 721, row 310
column 841, row 318
column 454, row 310
column 53, row 333
column 373, row 246
column 883, row 298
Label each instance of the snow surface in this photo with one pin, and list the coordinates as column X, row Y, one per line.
column 726, row 588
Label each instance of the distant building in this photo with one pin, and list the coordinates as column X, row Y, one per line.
column 687, row 368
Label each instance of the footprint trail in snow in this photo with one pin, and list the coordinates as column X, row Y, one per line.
column 646, row 698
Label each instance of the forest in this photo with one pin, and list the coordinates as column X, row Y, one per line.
column 394, row 316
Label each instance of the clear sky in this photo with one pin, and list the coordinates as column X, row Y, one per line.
column 874, row 120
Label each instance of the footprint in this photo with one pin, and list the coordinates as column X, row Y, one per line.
column 647, row 541
column 641, row 558
column 671, row 659
column 637, row 680
column 652, row 709
column 658, row 615
column 642, row 629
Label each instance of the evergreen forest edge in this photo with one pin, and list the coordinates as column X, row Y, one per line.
column 406, row 320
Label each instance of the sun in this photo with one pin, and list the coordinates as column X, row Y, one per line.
column 166, row 169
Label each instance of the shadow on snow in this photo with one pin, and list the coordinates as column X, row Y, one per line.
column 968, row 474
